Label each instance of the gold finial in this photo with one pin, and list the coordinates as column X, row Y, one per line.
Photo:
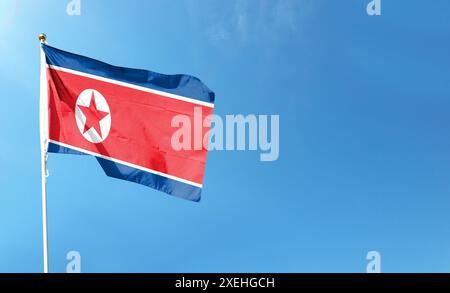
column 42, row 38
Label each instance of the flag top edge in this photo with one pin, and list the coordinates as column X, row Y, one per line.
column 177, row 84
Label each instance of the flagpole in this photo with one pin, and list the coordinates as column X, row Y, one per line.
column 43, row 125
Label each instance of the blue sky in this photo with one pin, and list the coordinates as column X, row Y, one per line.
column 364, row 138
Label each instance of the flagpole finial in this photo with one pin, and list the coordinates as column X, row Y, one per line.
column 42, row 38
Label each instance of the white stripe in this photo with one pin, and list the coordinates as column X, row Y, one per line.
column 128, row 164
column 132, row 86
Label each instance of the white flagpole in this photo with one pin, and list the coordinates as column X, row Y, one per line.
column 43, row 126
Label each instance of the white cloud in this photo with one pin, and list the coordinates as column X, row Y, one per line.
column 246, row 20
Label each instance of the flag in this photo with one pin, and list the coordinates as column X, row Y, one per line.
column 123, row 116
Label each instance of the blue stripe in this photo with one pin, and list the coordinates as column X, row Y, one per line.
column 56, row 148
column 120, row 171
column 178, row 84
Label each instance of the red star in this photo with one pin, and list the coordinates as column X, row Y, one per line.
column 93, row 116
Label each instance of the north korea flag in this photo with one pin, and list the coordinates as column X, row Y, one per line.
column 122, row 116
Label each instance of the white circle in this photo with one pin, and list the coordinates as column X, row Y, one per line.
column 84, row 99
